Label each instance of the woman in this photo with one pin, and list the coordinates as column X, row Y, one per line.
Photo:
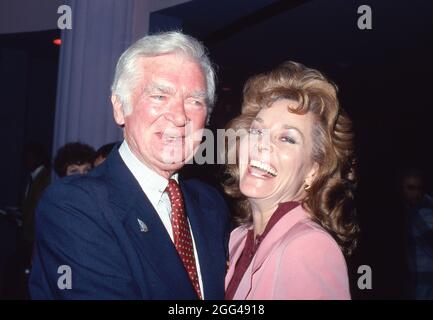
column 294, row 188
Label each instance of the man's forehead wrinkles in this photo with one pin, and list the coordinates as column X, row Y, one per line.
column 159, row 86
column 166, row 86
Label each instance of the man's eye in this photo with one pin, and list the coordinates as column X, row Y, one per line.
column 158, row 97
column 195, row 102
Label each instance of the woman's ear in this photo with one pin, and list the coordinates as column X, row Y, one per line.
column 311, row 175
column 117, row 110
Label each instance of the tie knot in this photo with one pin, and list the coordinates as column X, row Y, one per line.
column 173, row 183
column 173, row 190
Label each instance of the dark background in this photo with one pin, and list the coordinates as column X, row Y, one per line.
column 384, row 76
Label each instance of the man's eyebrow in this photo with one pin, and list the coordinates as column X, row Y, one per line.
column 158, row 87
column 199, row 94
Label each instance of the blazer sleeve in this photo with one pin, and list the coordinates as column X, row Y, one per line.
column 76, row 256
column 312, row 267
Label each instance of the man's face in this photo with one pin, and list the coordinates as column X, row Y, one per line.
column 168, row 114
column 412, row 190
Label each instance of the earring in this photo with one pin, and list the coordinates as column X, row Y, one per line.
column 307, row 187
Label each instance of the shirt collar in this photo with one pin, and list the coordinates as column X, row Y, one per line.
column 152, row 184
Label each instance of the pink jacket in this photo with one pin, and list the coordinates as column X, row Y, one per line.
column 297, row 259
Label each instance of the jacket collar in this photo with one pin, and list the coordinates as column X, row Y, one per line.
column 135, row 211
column 131, row 204
column 198, row 214
column 269, row 244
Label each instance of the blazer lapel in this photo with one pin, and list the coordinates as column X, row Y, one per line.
column 275, row 235
column 201, row 229
column 154, row 243
column 236, row 250
column 269, row 244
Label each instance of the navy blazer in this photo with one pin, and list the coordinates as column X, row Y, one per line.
column 89, row 223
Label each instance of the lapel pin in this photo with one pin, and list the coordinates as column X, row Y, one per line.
column 143, row 226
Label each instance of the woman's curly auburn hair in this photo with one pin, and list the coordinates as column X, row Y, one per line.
column 329, row 200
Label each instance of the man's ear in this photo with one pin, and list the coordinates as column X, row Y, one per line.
column 311, row 175
column 117, row 110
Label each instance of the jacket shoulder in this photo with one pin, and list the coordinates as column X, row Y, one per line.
column 313, row 245
column 308, row 233
column 76, row 194
column 312, row 265
column 75, row 184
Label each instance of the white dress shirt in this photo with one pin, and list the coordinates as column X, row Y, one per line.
column 153, row 186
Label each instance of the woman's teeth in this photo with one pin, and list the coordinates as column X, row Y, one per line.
column 264, row 167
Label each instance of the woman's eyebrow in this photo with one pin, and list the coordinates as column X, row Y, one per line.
column 288, row 127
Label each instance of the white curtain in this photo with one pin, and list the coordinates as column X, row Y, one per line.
column 101, row 31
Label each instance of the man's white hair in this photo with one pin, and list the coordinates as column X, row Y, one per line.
column 128, row 74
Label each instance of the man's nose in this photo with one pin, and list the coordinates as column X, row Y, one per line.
column 176, row 113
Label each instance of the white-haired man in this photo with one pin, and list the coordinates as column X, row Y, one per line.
column 131, row 229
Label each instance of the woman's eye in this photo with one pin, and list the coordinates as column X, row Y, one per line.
column 255, row 131
column 288, row 140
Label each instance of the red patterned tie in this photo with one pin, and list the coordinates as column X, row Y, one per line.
column 182, row 234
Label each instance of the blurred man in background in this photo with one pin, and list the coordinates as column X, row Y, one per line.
column 419, row 208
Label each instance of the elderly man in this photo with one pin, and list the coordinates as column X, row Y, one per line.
column 131, row 229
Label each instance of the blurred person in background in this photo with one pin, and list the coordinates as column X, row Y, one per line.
column 102, row 153
column 419, row 209
column 74, row 158
column 36, row 162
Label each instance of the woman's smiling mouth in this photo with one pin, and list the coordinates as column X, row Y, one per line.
column 260, row 167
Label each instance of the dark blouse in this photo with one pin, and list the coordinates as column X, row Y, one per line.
column 251, row 247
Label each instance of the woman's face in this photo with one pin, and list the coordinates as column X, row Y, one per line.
column 276, row 163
